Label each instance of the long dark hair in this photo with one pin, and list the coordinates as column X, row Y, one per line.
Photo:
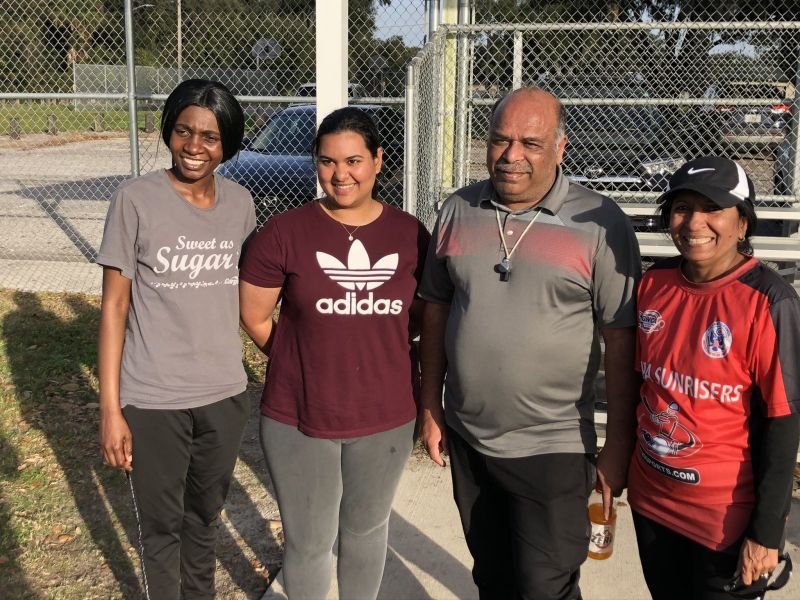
column 215, row 97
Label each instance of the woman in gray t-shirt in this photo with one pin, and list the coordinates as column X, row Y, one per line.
column 172, row 386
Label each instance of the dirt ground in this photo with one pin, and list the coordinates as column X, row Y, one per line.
column 249, row 546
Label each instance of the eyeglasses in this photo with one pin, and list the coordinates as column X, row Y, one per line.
column 756, row 590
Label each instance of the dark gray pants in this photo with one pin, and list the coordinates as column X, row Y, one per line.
column 325, row 487
column 182, row 466
column 524, row 519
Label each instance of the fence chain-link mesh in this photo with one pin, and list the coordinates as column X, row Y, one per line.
column 64, row 141
column 646, row 86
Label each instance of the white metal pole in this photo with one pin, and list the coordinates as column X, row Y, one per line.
column 133, row 132
column 517, row 63
column 179, row 27
column 433, row 17
column 331, row 19
column 331, row 56
column 410, row 164
column 462, row 95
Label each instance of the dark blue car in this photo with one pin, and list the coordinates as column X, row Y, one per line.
column 276, row 166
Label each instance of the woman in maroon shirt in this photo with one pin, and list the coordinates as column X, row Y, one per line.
column 338, row 408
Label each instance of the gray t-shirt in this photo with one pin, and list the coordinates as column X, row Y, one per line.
column 182, row 347
column 523, row 354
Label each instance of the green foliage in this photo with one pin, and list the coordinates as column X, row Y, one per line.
column 41, row 39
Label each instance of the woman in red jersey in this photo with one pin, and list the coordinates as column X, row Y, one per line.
column 718, row 346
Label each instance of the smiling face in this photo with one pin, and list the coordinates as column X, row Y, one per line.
column 346, row 168
column 705, row 234
column 524, row 148
column 195, row 144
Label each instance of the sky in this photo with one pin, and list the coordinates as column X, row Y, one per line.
column 402, row 17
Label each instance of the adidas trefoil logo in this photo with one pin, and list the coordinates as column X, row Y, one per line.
column 358, row 274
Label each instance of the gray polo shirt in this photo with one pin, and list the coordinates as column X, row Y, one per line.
column 522, row 355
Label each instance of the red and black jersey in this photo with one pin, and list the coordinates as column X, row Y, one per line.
column 716, row 359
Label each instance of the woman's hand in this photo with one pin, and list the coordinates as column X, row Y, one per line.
column 116, row 441
column 756, row 561
column 115, row 437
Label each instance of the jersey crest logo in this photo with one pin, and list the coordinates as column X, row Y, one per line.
column 358, row 274
column 717, row 339
column 650, row 321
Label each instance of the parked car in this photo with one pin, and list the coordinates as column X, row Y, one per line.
column 753, row 129
column 309, row 90
column 276, row 165
column 620, row 147
column 783, row 169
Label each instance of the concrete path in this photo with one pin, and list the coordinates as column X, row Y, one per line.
column 428, row 558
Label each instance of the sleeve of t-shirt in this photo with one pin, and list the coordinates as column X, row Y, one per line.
column 423, row 243
column 264, row 263
column 118, row 248
column 617, row 271
column 250, row 223
column 436, row 284
column 777, row 354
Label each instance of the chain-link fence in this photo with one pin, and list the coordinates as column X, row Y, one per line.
column 646, row 86
column 647, row 83
column 65, row 141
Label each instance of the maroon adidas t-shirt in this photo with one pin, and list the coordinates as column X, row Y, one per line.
column 340, row 363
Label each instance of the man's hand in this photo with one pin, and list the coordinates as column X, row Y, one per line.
column 433, row 363
column 433, row 435
column 756, row 561
column 622, row 396
column 612, row 473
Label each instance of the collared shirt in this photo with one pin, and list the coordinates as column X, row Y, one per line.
column 523, row 354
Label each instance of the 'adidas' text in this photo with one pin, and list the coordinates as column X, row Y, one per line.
column 350, row 305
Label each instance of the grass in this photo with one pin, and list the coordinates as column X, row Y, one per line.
column 32, row 117
column 66, row 528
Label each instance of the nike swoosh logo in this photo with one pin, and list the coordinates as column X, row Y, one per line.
column 693, row 171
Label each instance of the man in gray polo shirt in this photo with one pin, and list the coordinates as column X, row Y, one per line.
column 525, row 272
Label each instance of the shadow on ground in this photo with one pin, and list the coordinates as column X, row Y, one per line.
column 51, row 352
column 56, row 399
column 51, row 196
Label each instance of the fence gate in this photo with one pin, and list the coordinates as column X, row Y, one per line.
column 644, row 91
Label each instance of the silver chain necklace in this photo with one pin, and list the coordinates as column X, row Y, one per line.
column 504, row 266
column 349, row 233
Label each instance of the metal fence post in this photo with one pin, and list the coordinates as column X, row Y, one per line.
column 410, row 150
column 462, row 95
column 794, row 137
column 433, row 18
column 133, row 131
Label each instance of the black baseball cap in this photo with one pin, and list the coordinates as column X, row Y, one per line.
column 720, row 179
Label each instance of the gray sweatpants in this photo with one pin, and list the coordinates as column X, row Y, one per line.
column 325, row 487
